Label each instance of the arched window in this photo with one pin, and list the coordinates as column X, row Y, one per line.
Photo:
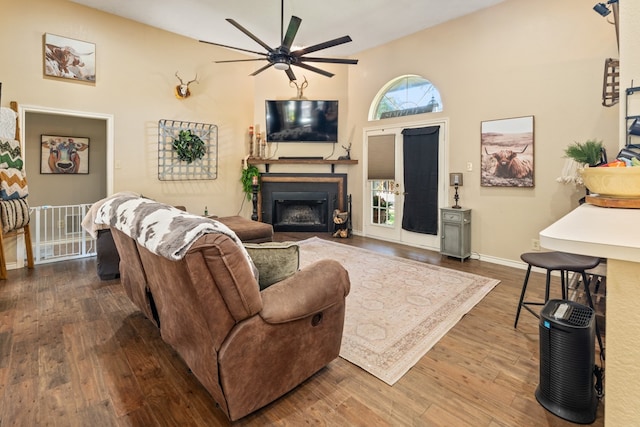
column 406, row 96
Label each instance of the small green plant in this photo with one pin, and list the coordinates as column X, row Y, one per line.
column 247, row 179
column 589, row 153
column 189, row 146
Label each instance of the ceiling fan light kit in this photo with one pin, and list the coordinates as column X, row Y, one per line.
column 281, row 65
column 281, row 57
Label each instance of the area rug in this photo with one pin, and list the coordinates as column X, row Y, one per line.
column 397, row 308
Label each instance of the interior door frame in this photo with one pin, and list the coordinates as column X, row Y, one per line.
column 398, row 235
column 110, row 138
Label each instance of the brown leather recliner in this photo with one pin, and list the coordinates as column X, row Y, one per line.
column 247, row 347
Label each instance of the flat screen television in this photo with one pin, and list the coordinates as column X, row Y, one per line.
column 301, row 120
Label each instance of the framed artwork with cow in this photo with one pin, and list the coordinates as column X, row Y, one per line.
column 507, row 152
column 64, row 155
column 69, row 59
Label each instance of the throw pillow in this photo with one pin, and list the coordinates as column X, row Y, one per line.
column 275, row 261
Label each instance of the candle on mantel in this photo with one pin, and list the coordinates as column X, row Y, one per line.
column 257, row 129
column 456, row 179
column 254, row 180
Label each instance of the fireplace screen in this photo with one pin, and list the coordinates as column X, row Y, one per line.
column 300, row 211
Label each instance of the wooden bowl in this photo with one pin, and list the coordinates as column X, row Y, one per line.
column 612, row 182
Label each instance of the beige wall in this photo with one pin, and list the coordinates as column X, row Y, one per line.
column 135, row 81
column 542, row 58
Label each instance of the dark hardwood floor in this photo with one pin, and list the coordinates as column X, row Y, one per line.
column 75, row 352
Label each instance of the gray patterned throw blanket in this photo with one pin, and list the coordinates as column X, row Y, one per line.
column 162, row 229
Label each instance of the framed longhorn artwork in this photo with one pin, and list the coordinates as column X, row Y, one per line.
column 507, row 152
column 64, row 155
column 69, row 59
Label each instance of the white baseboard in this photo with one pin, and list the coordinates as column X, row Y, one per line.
column 520, row 265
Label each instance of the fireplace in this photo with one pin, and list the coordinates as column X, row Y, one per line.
column 300, row 211
column 301, row 202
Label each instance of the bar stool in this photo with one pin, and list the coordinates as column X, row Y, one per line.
column 564, row 263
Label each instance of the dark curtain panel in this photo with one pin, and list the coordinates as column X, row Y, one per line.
column 420, row 152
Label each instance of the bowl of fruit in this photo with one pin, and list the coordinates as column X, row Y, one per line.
column 620, row 179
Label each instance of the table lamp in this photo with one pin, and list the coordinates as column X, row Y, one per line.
column 455, row 180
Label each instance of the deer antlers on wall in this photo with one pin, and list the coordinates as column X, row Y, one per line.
column 182, row 90
column 299, row 87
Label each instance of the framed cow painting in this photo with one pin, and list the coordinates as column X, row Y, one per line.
column 64, row 155
column 69, row 59
column 507, row 152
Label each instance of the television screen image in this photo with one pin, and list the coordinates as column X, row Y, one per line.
column 301, row 120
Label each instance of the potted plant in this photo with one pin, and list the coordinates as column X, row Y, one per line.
column 247, row 179
column 589, row 153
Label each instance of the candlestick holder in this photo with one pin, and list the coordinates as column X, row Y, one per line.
column 251, row 154
column 254, row 199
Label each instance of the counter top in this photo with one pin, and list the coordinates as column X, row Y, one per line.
column 612, row 233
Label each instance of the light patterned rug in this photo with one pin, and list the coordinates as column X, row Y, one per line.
column 397, row 308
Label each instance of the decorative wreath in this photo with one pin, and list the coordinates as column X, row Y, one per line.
column 189, row 146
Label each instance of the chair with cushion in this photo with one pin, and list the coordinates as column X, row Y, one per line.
column 14, row 209
column 193, row 276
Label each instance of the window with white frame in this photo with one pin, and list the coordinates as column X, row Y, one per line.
column 405, row 96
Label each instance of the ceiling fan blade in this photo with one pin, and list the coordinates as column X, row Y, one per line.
column 320, row 46
column 240, row 60
column 231, row 47
column 292, row 30
column 249, row 34
column 290, row 74
column 328, row 60
column 261, row 69
column 314, row 69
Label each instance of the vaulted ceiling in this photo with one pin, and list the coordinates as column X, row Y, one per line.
column 370, row 23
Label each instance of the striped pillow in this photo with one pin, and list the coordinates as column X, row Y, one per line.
column 14, row 213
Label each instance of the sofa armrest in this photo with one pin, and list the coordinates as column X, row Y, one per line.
column 309, row 291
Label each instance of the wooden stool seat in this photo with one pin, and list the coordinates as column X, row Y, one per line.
column 564, row 263
column 552, row 261
column 560, row 261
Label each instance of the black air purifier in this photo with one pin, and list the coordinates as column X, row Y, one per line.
column 567, row 357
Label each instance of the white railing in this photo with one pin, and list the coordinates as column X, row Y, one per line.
column 57, row 233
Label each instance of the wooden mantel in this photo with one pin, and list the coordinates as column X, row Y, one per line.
column 300, row 161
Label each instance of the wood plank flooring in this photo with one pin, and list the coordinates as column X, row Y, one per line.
column 75, row 352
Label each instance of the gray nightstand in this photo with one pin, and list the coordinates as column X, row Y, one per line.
column 455, row 232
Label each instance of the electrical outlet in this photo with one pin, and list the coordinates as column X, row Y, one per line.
column 469, row 167
column 535, row 244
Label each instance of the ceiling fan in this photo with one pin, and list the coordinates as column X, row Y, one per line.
column 281, row 57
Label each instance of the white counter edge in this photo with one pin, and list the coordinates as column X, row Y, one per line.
column 591, row 230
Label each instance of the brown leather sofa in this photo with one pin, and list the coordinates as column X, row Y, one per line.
column 247, row 347
column 107, row 259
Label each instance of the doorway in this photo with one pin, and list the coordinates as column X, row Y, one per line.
column 55, row 216
column 386, row 202
column 33, row 164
